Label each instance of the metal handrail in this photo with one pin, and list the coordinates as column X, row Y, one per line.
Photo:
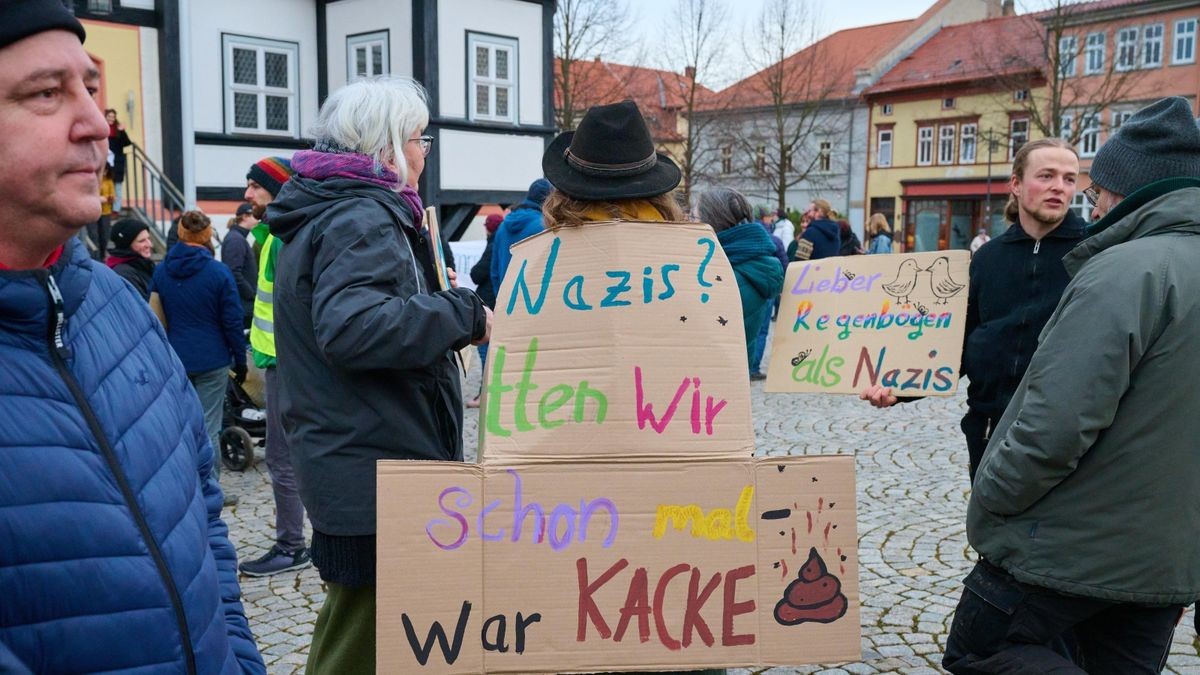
column 150, row 196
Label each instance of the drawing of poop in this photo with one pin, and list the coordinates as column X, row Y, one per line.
column 815, row 596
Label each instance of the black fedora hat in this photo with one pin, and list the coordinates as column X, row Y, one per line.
column 610, row 156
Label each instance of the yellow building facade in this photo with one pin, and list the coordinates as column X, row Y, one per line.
column 117, row 51
column 940, row 160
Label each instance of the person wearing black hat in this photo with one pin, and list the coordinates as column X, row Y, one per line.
column 238, row 255
column 608, row 169
column 113, row 554
column 1083, row 509
column 130, row 254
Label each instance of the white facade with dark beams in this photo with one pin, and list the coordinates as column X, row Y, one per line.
column 260, row 70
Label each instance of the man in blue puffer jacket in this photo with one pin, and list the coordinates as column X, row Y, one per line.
column 113, row 555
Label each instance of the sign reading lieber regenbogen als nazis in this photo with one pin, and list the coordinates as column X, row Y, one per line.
column 847, row 323
column 618, row 520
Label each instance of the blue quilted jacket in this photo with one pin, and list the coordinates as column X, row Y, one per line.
column 113, row 555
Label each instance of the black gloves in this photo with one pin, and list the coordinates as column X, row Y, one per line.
column 239, row 373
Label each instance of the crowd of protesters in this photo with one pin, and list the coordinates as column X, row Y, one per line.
column 1073, row 333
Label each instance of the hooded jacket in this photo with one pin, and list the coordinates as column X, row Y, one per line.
column 113, row 555
column 365, row 345
column 1088, row 484
column 521, row 223
column 825, row 238
column 1016, row 282
column 759, row 275
column 238, row 256
column 204, row 313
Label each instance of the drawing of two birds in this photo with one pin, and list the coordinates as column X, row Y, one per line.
column 940, row 282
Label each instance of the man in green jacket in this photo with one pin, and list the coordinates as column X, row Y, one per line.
column 1083, row 509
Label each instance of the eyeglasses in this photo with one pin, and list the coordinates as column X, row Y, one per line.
column 1092, row 194
column 426, row 143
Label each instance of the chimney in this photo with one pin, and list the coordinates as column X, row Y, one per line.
column 689, row 73
column 1008, row 8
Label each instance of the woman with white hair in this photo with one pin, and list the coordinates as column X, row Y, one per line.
column 365, row 339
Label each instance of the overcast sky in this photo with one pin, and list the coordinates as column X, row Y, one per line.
column 834, row 15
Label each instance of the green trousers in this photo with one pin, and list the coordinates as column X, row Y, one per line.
column 343, row 641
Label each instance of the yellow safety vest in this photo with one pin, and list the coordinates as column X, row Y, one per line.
column 262, row 330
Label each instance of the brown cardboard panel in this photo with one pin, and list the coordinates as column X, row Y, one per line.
column 417, row 583
column 612, row 336
column 847, row 323
column 607, row 560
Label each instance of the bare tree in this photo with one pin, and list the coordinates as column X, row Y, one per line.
column 585, row 30
column 1078, row 84
column 695, row 45
column 785, row 106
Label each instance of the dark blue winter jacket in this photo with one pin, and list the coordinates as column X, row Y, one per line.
column 825, row 238
column 113, row 555
column 523, row 222
column 204, row 313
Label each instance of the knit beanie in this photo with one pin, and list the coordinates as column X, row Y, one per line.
column 124, row 231
column 1159, row 141
column 538, row 191
column 20, row 19
column 195, row 228
column 271, row 173
column 492, row 223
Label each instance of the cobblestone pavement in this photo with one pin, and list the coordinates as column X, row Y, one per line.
column 912, row 492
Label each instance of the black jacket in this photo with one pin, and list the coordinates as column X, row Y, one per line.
column 364, row 345
column 481, row 274
column 238, row 255
column 1016, row 283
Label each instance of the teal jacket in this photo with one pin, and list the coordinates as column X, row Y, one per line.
column 751, row 252
column 1088, row 484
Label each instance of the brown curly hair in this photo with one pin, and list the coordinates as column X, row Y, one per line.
column 559, row 210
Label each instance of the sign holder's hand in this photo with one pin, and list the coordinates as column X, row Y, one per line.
column 880, row 397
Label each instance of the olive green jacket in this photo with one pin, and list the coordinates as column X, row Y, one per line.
column 1088, row 486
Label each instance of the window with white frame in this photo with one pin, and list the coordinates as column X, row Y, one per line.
column 1089, row 135
column 1127, row 43
column 967, row 144
column 946, row 134
column 726, row 159
column 1066, row 56
column 261, row 86
column 1018, row 135
column 1080, row 206
column 1094, row 54
column 366, row 55
column 924, row 146
column 760, row 158
column 887, row 108
column 493, row 81
column 883, row 152
column 825, row 157
column 1021, row 95
column 1065, row 125
column 1119, row 117
column 1152, row 45
column 1185, row 42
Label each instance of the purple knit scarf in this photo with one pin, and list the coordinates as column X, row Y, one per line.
column 356, row 166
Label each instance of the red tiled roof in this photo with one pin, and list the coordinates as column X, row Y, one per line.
column 827, row 66
column 660, row 94
column 970, row 52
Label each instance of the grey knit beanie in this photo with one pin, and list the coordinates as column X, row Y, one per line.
column 1159, row 141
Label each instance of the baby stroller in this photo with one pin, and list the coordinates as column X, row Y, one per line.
column 241, row 424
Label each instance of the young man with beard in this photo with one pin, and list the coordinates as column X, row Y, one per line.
column 263, row 182
column 113, row 554
column 1016, row 282
column 1084, row 511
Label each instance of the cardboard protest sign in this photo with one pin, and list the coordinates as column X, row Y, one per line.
column 847, row 323
column 618, row 337
column 614, row 566
column 618, row 521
